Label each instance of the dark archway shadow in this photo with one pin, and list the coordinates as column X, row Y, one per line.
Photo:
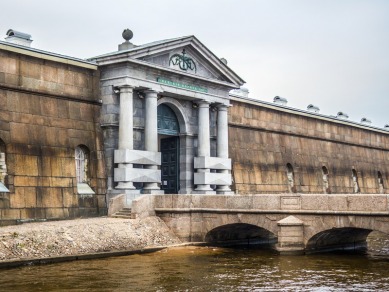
column 347, row 239
column 240, row 234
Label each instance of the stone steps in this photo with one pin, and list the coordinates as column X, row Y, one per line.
column 124, row 213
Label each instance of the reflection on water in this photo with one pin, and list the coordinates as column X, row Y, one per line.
column 212, row 269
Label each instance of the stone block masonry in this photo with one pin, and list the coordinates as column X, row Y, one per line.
column 47, row 109
column 296, row 223
column 272, row 149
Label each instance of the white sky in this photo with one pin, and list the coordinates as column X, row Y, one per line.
column 331, row 53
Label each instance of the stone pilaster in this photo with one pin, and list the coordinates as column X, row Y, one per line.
column 151, row 136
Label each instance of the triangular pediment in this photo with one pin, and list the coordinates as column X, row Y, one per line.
column 186, row 59
column 186, row 55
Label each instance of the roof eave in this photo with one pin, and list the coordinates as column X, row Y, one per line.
column 295, row 111
column 19, row 49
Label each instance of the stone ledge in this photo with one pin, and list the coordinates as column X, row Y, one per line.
column 359, row 204
column 257, row 211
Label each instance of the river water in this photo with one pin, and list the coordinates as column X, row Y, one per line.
column 212, row 269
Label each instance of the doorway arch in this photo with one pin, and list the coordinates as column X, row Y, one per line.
column 178, row 110
column 168, row 136
column 186, row 143
column 167, row 121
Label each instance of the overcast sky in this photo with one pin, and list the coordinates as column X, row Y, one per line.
column 331, row 53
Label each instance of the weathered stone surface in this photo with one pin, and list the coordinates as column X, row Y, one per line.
column 263, row 142
column 47, row 109
column 297, row 230
column 290, row 221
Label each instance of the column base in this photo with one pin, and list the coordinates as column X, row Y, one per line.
column 125, row 186
column 224, row 190
column 203, row 187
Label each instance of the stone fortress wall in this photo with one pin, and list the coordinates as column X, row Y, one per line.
column 48, row 107
column 275, row 149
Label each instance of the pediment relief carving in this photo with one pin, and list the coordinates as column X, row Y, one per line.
column 185, row 59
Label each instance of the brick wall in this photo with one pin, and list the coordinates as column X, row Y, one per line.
column 264, row 140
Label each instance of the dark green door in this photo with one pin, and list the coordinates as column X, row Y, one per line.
column 170, row 165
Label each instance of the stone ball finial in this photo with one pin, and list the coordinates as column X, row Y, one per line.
column 127, row 34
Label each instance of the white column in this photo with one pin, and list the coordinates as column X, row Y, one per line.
column 126, row 124
column 222, row 131
column 222, row 140
column 151, row 133
column 204, row 144
column 126, row 139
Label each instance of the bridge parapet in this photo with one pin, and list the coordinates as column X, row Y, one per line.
column 276, row 203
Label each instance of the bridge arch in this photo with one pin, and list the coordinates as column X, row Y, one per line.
column 326, row 223
column 342, row 232
column 240, row 233
column 345, row 238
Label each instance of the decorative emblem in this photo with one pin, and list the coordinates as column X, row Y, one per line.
column 185, row 63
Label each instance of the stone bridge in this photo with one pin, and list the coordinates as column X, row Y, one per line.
column 291, row 223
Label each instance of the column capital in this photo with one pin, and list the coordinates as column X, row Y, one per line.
column 150, row 93
column 203, row 103
column 223, row 107
column 123, row 88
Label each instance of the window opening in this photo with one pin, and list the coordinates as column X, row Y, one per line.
column 82, row 159
column 355, row 181
column 326, row 184
column 3, row 168
column 380, row 182
column 81, row 156
column 290, row 176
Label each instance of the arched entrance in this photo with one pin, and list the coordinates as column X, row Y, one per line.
column 168, row 131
